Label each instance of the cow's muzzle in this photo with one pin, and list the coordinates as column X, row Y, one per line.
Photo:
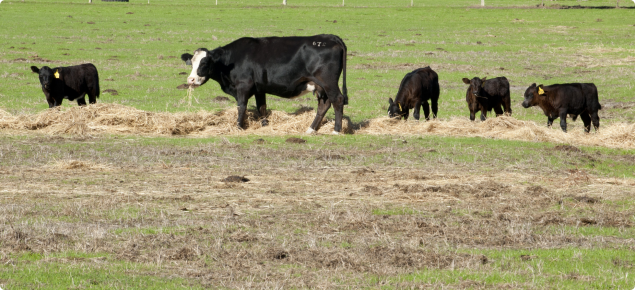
column 525, row 105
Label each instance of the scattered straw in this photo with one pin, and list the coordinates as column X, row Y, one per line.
column 77, row 164
column 119, row 119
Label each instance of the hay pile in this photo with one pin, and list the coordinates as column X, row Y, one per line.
column 78, row 165
column 119, row 119
column 618, row 135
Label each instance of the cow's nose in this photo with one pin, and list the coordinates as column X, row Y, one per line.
column 190, row 80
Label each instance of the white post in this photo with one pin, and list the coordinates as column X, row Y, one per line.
column 284, row 2
column 412, row 3
column 90, row 1
column 342, row 2
column 482, row 2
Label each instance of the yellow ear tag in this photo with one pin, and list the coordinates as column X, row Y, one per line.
column 399, row 107
column 540, row 91
column 57, row 74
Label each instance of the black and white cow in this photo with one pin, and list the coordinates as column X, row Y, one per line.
column 287, row 67
column 71, row 82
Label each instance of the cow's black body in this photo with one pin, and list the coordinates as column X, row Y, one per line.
column 487, row 94
column 416, row 88
column 72, row 83
column 560, row 100
column 281, row 66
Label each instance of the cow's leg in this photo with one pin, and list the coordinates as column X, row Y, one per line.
column 550, row 121
column 498, row 110
column 81, row 101
column 323, row 106
column 50, row 100
column 242, row 97
column 261, row 105
column 563, row 119
column 435, row 107
column 586, row 119
column 595, row 118
column 338, row 106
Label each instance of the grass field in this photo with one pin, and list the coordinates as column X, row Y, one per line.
column 101, row 211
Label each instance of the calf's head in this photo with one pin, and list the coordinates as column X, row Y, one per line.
column 46, row 75
column 203, row 62
column 476, row 85
column 395, row 109
column 532, row 94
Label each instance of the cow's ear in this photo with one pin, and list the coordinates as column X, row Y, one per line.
column 541, row 91
column 35, row 69
column 187, row 58
column 466, row 80
column 390, row 101
column 484, row 79
column 217, row 54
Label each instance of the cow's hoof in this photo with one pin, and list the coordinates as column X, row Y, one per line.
column 309, row 131
column 335, row 133
column 264, row 122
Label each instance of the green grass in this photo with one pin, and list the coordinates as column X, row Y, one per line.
column 568, row 268
column 140, row 52
column 30, row 271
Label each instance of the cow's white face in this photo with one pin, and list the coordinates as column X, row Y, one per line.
column 194, row 78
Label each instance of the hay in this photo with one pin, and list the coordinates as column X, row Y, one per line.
column 119, row 119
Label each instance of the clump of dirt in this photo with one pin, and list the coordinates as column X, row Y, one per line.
column 242, row 237
column 588, row 221
column 295, row 140
column 111, row 92
column 586, row 199
column 235, row 178
column 182, row 73
column 186, row 254
column 183, row 87
column 330, row 157
column 278, row 254
column 567, row 148
column 260, row 141
column 221, row 99
column 536, row 190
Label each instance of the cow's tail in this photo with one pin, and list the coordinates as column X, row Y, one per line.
column 344, row 89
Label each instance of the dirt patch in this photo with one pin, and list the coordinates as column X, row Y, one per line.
column 260, row 141
column 111, row 92
column 235, row 178
column 295, row 140
column 567, row 148
column 221, row 99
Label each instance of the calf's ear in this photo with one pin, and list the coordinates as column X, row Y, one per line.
column 187, row 58
column 467, row 81
column 390, row 101
column 35, row 69
column 484, row 79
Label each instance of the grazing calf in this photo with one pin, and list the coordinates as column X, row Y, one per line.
column 561, row 99
column 287, row 67
column 71, row 82
column 415, row 90
column 484, row 95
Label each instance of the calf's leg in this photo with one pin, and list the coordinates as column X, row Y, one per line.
column 586, row 119
column 483, row 115
column 426, row 110
column 563, row 119
column 596, row 120
column 416, row 113
column 81, row 101
column 261, row 105
column 435, row 107
column 550, row 121
column 498, row 110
